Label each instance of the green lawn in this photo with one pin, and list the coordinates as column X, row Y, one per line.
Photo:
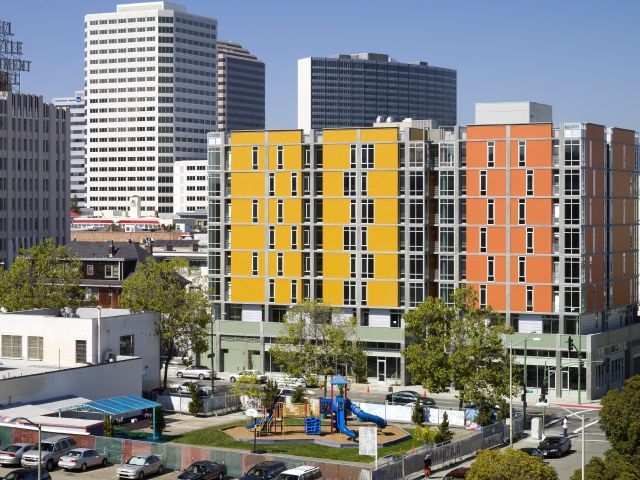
column 215, row 437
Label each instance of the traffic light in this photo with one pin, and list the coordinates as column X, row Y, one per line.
column 570, row 344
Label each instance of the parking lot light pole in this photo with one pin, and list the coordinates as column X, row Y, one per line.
column 39, row 427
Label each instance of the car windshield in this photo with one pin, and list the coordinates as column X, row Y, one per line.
column 550, row 442
column 196, row 469
column 11, row 448
column 74, row 453
column 14, row 476
column 136, row 461
column 46, row 447
column 286, row 476
column 257, row 472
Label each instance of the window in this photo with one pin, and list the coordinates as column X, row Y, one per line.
column 350, row 187
column 294, row 184
column 353, row 157
column 81, row 351
column 353, row 265
column 447, row 211
column 416, row 239
column 280, row 157
column 89, row 270
column 280, row 212
column 522, row 211
column 416, row 183
column 521, row 269
column 272, row 184
column 572, row 211
column 483, row 182
column 483, row 296
column 572, row 182
column 318, row 183
column 416, row 294
column 367, row 265
column 34, row 348
column 571, row 240
column 353, row 211
column 529, row 239
column 363, row 297
column 491, row 268
column 483, row 239
column 294, row 238
column 572, row 153
column 367, row 156
column 280, row 264
column 272, row 237
column 254, row 263
column 306, row 264
column 364, row 182
column 491, row 152
column 272, row 290
column 349, row 238
column 11, row 346
column 447, row 237
column 294, row 291
column 446, row 267
column 529, row 182
column 529, row 298
column 306, row 210
column 572, row 270
column 349, row 293
column 363, row 238
column 416, row 154
column 522, row 153
column 447, row 183
column 367, row 211
column 306, row 156
column 254, row 210
column 306, row 184
column 254, row 158
column 127, row 345
column 111, row 271
column 491, row 211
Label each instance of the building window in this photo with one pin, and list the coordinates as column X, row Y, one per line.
column 491, row 154
column 294, row 184
column 111, row 271
column 572, row 153
column 483, row 239
column 483, row 296
column 447, row 183
column 306, row 264
column 306, row 210
column 447, row 212
column 127, row 345
column 521, row 269
column 572, row 211
column 350, row 187
column 367, row 265
column 572, row 299
column 364, row 183
column 353, row 157
column 280, row 212
column 294, row 238
column 571, row 240
column 446, row 268
column 368, row 156
column 81, row 351
column 522, row 211
column 353, row 209
column 416, row 239
column 363, row 293
column 11, row 346
column 367, row 211
column 272, row 290
column 34, row 348
column 491, row 268
column 294, row 291
column 363, row 238
column 522, row 153
column 349, row 238
column 483, row 182
column 572, row 182
column 254, row 263
column 272, row 237
column 416, row 183
column 416, row 210
column 416, row 294
column 254, row 210
column 572, row 270
column 280, row 263
column 254, row 158
column 529, row 182
column 272, row 184
column 353, row 265
column 491, row 211
column 529, row 298
column 89, row 270
column 529, row 239
column 349, row 293
column 280, row 157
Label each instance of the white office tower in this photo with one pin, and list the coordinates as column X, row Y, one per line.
column 150, row 75
column 78, row 129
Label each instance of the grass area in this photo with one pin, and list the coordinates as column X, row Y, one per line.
column 216, row 437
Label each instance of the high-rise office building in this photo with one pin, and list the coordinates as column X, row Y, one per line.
column 78, row 131
column 150, row 74
column 540, row 220
column 241, row 83
column 34, row 173
column 354, row 90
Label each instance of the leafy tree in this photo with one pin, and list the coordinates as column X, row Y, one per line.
column 75, row 208
column 485, row 413
column 108, row 428
column 461, row 343
column 614, row 466
column 509, row 464
column 43, row 276
column 445, row 435
column 161, row 423
column 417, row 414
column 620, row 417
column 184, row 313
column 316, row 340
column 425, row 433
column 195, row 405
column 248, row 386
column 298, row 395
column 270, row 393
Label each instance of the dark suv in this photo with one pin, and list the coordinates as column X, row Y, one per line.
column 264, row 471
column 26, row 474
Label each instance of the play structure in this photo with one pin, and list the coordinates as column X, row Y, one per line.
column 272, row 420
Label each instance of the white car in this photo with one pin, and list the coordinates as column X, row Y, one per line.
column 195, row 371
column 262, row 378
column 12, row 454
column 292, row 382
column 81, row 459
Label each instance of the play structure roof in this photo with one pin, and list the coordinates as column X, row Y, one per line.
column 339, row 380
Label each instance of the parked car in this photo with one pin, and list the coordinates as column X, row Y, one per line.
column 460, row 472
column 52, row 449
column 264, row 471
column 204, row 470
column 139, row 466
column 12, row 454
column 534, row 452
column 303, row 472
column 26, row 474
column 405, row 397
column 284, row 393
column 555, row 446
column 291, row 382
column 195, row 371
column 81, row 459
column 262, row 378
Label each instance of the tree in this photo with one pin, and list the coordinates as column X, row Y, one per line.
column 417, row 414
column 248, row 387
column 195, row 405
column 445, row 435
column 184, row 313
column 425, row 433
column 614, row 466
column 620, row 417
column 461, row 343
column 270, row 393
column 316, row 340
column 161, row 423
column 298, row 395
column 509, row 464
column 43, row 276
column 75, row 208
column 108, row 428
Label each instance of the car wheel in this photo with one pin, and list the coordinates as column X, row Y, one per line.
column 201, row 376
column 83, row 467
column 160, row 470
column 104, row 462
column 140, row 475
column 179, row 374
column 49, row 465
column 232, row 379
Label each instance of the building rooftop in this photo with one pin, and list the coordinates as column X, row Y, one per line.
column 109, row 250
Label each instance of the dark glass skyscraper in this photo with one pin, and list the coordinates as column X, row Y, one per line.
column 353, row 90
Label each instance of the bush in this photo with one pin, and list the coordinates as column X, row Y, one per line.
column 445, row 435
column 417, row 415
column 108, row 428
column 426, row 434
column 160, row 421
column 312, row 381
column 509, row 464
column 195, row 405
column 485, row 414
column 270, row 393
column 298, row 395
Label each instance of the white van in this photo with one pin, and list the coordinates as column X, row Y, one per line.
column 303, row 472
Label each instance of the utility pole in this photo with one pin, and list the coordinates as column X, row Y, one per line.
column 511, row 394
column 582, row 448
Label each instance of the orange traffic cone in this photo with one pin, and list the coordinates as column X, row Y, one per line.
column 424, row 394
column 367, row 388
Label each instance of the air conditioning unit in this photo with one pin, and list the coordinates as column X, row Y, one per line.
column 109, row 357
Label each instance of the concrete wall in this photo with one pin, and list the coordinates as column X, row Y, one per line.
column 92, row 381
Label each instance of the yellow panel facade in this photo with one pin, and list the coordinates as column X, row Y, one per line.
column 247, row 184
column 339, row 135
column 336, row 157
column 333, row 184
column 283, row 237
column 291, row 157
column 284, row 136
column 336, row 265
column 332, row 238
column 241, row 263
column 386, row 266
column 386, row 211
column 386, row 155
column 247, row 237
column 273, row 264
column 336, row 211
column 332, row 292
column 247, row 138
column 379, row 135
column 292, row 210
column 382, row 294
column 382, row 239
column 382, row 184
column 241, row 210
column 292, row 264
column 283, row 183
column 241, row 158
column 283, row 291
column 247, row 290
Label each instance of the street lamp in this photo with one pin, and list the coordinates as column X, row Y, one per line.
column 39, row 428
column 511, row 345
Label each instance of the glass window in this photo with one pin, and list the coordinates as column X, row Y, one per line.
column 254, row 158
column 522, row 153
column 490, row 211
column 353, row 156
column 34, row 348
column 529, row 239
column 254, row 210
column 349, row 293
column 483, row 239
column 368, row 154
column 572, row 182
column 571, row 240
column 280, row 157
column 572, row 152
column 416, row 239
column 272, row 184
column 294, row 184
column 89, row 270
column 522, row 211
column 416, row 210
column 572, row 270
column 81, row 351
column 127, row 345
column 572, row 211
column 529, row 182
column 446, row 267
column 529, row 300
column 272, row 290
column 491, row 153
column 350, row 187
column 272, row 237
column 447, row 183
column 491, row 268
column 349, row 238
column 447, row 211
column 483, row 295
column 483, row 182
column 280, row 210
column 416, row 267
column 280, row 263
column 254, row 263
column 416, row 183
column 521, row 269
column 367, row 211
column 416, row 155
column 11, row 346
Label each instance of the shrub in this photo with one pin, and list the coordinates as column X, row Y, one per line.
column 195, row 405
column 417, row 415
column 298, row 395
column 445, row 435
column 108, row 428
column 425, row 434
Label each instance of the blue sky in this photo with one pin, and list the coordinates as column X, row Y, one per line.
column 579, row 56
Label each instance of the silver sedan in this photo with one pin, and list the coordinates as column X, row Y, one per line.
column 81, row 459
column 139, row 466
column 12, row 454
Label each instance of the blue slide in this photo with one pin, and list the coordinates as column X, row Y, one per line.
column 262, row 421
column 339, row 407
column 367, row 417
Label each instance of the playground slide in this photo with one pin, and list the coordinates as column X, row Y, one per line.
column 339, row 412
column 367, row 417
column 262, row 421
